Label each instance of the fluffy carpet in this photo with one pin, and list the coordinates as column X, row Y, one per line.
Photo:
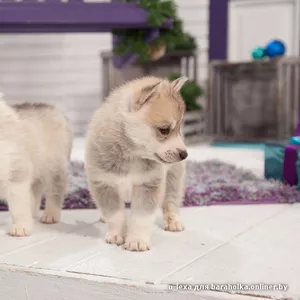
column 207, row 183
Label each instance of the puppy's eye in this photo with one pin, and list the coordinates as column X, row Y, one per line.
column 164, row 131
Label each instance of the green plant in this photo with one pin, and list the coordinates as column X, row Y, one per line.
column 190, row 92
column 133, row 40
column 187, row 43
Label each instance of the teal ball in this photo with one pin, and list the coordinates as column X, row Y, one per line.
column 258, row 53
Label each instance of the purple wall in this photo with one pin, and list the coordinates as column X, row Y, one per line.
column 218, row 28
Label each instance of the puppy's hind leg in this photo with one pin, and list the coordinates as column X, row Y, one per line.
column 19, row 198
column 56, row 187
column 174, row 197
column 113, row 210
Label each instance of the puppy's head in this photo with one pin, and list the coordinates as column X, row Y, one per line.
column 155, row 116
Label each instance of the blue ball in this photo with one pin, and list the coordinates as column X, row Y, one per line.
column 275, row 48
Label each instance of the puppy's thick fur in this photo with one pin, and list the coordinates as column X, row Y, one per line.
column 35, row 147
column 135, row 152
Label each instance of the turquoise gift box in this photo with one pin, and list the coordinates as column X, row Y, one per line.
column 282, row 161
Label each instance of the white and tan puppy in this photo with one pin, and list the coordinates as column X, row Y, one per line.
column 35, row 146
column 135, row 152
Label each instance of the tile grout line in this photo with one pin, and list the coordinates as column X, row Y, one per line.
column 41, row 242
column 159, row 281
column 26, row 247
column 81, row 260
column 67, row 234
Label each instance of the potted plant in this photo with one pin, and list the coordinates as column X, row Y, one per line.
column 194, row 122
column 134, row 41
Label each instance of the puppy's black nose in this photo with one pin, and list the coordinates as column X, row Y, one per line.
column 183, row 155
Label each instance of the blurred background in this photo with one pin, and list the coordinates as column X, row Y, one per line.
column 66, row 69
column 76, row 70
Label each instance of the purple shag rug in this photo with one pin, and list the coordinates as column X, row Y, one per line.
column 207, row 183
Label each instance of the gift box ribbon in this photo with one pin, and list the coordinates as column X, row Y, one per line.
column 289, row 164
column 291, row 157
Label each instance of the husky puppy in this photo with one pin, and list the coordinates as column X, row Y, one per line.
column 35, row 147
column 135, row 152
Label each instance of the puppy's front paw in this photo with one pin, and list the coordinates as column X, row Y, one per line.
column 113, row 238
column 174, row 226
column 136, row 244
column 173, row 223
column 50, row 217
column 21, row 229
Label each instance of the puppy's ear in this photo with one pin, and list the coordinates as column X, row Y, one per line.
column 177, row 84
column 146, row 94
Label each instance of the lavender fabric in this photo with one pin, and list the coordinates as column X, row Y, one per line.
column 207, row 183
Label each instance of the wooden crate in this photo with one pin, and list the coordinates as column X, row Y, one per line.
column 182, row 62
column 194, row 126
column 253, row 101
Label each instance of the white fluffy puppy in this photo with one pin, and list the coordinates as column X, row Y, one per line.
column 35, row 146
column 135, row 151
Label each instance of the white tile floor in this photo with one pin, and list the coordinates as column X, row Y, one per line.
column 232, row 244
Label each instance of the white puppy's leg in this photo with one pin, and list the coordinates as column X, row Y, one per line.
column 145, row 200
column 174, row 197
column 56, row 187
column 37, row 190
column 19, row 198
column 113, row 210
